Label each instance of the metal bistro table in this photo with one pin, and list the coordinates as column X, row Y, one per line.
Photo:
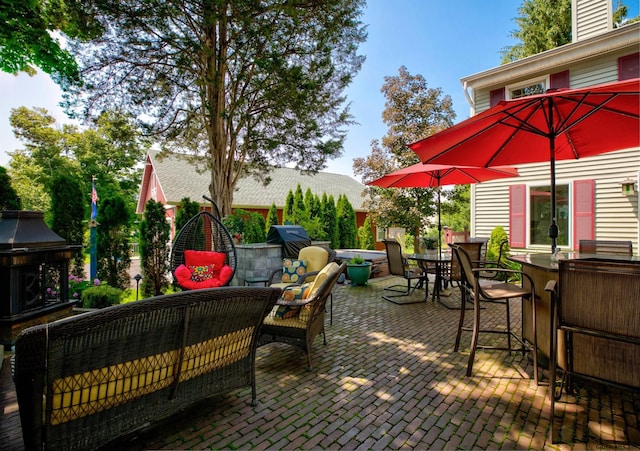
column 441, row 262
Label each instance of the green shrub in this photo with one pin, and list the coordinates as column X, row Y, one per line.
column 101, row 296
column 77, row 286
column 246, row 226
column 498, row 235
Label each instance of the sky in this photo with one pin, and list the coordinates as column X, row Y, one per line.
column 441, row 40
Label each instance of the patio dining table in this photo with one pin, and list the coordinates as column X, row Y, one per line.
column 441, row 263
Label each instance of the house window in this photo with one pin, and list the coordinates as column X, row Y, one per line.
column 381, row 233
column 527, row 88
column 540, row 214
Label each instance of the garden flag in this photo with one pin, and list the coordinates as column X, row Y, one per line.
column 93, row 254
column 94, row 201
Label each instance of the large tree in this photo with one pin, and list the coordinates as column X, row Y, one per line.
column 243, row 83
column 9, row 199
column 412, row 112
column 108, row 151
column 542, row 25
column 546, row 24
column 27, row 38
column 67, row 215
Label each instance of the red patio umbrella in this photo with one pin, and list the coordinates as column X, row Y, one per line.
column 558, row 125
column 436, row 175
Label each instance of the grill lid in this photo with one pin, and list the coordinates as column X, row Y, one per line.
column 27, row 229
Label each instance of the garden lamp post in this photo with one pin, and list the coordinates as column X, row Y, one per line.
column 138, row 277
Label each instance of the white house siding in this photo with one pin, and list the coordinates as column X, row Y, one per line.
column 616, row 214
column 595, row 72
column 590, row 17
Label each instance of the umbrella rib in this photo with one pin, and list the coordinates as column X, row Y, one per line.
column 565, row 125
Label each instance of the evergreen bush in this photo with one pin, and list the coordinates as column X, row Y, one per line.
column 101, row 296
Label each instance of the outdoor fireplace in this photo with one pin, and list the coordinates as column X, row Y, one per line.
column 34, row 273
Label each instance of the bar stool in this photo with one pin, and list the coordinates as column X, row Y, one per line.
column 499, row 293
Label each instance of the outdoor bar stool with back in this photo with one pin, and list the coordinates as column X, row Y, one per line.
column 595, row 333
column 606, row 247
column 498, row 293
column 398, row 266
column 454, row 275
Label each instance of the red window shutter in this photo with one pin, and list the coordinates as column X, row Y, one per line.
column 629, row 67
column 583, row 211
column 496, row 96
column 559, row 80
column 518, row 215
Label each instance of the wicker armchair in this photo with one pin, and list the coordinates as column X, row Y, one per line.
column 595, row 319
column 302, row 328
column 315, row 256
column 204, row 233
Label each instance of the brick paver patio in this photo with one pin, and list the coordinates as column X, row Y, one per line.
column 388, row 379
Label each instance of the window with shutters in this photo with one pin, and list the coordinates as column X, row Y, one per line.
column 540, row 214
column 527, row 88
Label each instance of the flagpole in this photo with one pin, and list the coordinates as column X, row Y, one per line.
column 93, row 238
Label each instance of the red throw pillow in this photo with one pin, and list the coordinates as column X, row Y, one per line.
column 203, row 258
column 225, row 274
column 184, row 275
column 202, row 273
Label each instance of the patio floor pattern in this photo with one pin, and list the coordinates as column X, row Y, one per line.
column 388, row 379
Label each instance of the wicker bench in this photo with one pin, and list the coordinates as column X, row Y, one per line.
column 93, row 379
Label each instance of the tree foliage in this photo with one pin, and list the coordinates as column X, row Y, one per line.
column 67, row 214
column 542, row 25
column 246, row 83
column 154, row 249
column 347, row 227
column 188, row 209
column 27, row 40
column 9, row 199
column 272, row 217
column 456, row 207
column 114, row 257
column 109, row 150
column 330, row 220
column 366, row 240
column 412, row 112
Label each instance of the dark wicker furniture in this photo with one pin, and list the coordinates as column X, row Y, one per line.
column 302, row 330
column 88, row 380
column 595, row 320
column 203, row 232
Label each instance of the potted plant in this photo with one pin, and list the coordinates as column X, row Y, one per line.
column 430, row 244
column 358, row 270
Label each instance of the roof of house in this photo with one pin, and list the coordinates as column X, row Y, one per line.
column 178, row 178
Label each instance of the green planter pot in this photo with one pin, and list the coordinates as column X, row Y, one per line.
column 359, row 273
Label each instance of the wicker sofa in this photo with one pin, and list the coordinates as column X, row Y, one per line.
column 93, row 379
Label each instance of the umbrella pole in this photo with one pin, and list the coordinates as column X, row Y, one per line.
column 553, row 228
column 439, row 225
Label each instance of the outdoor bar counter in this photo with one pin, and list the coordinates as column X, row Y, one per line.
column 542, row 268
